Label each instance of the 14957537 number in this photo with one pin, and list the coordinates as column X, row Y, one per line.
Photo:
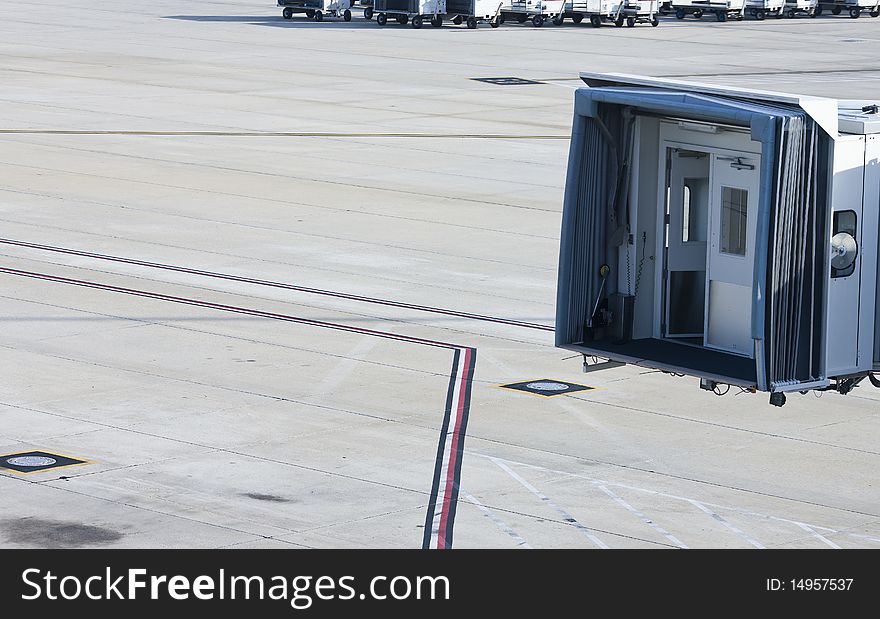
column 821, row 584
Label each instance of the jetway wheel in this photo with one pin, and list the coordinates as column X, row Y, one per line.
column 319, row 16
column 368, row 13
column 559, row 20
column 577, row 18
column 537, row 21
column 698, row 14
column 471, row 23
column 310, row 14
column 346, row 15
column 381, row 19
column 595, row 21
column 457, row 20
column 417, row 22
column 855, row 12
column 437, row 21
column 287, row 13
column 679, row 14
column 630, row 22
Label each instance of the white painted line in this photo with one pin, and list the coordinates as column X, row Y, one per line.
column 817, row 535
column 714, row 515
column 620, row 501
column 729, row 508
column 520, row 542
column 568, row 517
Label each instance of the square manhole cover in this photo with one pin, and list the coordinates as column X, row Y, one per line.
column 548, row 388
column 37, row 461
column 505, row 81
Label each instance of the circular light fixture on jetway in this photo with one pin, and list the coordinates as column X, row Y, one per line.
column 844, row 250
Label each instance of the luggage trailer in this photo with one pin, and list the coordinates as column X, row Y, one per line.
column 722, row 233
column 536, row 11
column 415, row 12
column 316, row 9
column 760, row 9
column 617, row 12
column 472, row 12
column 683, row 8
column 854, row 8
column 793, row 8
column 722, row 9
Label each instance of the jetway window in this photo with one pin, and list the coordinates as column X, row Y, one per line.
column 734, row 215
column 694, row 210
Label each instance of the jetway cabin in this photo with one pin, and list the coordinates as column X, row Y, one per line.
column 722, row 233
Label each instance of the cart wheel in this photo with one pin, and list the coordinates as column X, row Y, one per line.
column 437, row 21
column 578, row 18
column 630, row 22
column 789, row 13
column 319, row 16
column 558, row 20
column 501, row 19
column 471, row 23
column 855, row 12
column 538, row 21
column 875, row 13
column 679, row 13
column 618, row 23
column 402, row 19
column 368, row 13
column 817, row 11
column 740, row 16
column 416, row 22
column 381, row 19
column 521, row 19
column 310, row 14
column 655, row 21
column 595, row 21
column 287, row 13
column 760, row 15
column 835, row 10
column 457, row 20
column 698, row 14
column 346, row 15
column 721, row 15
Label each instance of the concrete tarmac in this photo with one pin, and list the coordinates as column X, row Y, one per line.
column 226, row 238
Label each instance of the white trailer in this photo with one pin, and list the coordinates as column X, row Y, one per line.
column 316, row 9
column 617, row 12
column 415, row 12
column 793, row 8
column 536, row 11
column 472, row 12
column 683, row 8
column 760, row 9
column 722, row 9
column 853, row 8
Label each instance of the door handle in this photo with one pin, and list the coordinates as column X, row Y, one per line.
column 738, row 163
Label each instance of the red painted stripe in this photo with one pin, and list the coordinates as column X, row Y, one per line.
column 453, row 454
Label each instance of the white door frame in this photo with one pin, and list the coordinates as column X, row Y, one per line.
column 727, row 143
